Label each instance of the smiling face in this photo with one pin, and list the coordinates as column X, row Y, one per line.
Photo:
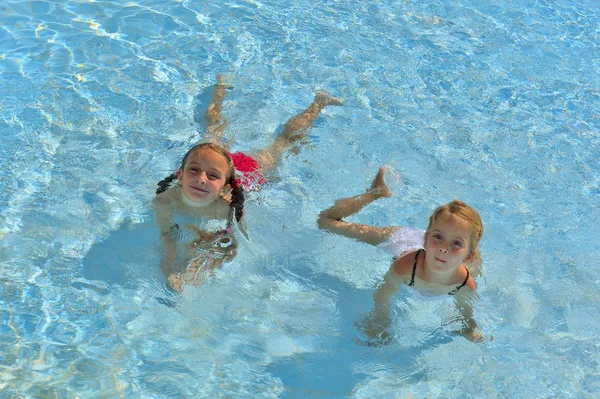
column 204, row 175
column 447, row 243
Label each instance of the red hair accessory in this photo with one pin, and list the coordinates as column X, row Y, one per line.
column 235, row 183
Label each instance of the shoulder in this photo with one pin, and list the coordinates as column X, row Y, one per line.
column 221, row 207
column 470, row 287
column 471, row 284
column 467, row 294
column 403, row 266
column 166, row 198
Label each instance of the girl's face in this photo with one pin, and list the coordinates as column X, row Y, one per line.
column 204, row 175
column 448, row 243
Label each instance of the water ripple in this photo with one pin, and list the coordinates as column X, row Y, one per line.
column 84, row 41
column 489, row 102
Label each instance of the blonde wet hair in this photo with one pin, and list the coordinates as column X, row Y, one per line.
column 466, row 213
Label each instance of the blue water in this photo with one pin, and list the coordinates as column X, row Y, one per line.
column 496, row 104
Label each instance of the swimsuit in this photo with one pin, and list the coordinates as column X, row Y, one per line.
column 248, row 170
column 412, row 279
column 189, row 229
column 402, row 240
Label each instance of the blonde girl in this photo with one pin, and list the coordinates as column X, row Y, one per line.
column 437, row 262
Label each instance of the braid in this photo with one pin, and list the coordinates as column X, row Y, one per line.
column 237, row 201
column 165, row 183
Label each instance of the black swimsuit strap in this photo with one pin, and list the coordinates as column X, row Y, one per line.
column 412, row 279
column 414, row 270
column 454, row 291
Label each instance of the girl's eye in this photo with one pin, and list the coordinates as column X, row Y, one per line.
column 457, row 244
column 213, row 177
column 437, row 236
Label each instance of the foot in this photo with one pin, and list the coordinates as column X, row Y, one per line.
column 378, row 187
column 323, row 99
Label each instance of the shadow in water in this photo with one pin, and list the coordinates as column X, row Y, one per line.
column 126, row 255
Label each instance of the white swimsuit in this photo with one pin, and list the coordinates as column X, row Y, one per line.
column 404, row 239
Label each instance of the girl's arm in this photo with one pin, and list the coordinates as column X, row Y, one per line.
column 380, row 316
column 331, row 219
column 222, row 251
column 390, row 286
column 377, row 322
column 164, row 213
column 469, row 330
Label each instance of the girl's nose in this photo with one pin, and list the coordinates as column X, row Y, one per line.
column 201, row 177
column 444, row 249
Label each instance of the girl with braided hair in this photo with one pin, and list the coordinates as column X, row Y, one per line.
column 196, row 206
column 198, row 214
column 437, row 262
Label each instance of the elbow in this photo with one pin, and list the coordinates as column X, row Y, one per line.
column 380, row 298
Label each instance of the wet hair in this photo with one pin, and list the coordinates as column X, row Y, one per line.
column 237, row 192
column 466, row 213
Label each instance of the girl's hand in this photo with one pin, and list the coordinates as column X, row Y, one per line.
column 473, row 336
column 175, row 282
column 376, row 325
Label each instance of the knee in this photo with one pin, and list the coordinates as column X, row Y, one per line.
column 324, row 221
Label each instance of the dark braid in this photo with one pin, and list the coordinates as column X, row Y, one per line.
column 237, row 201
column 165, row 183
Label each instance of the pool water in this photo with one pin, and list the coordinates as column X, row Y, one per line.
column 495, row 104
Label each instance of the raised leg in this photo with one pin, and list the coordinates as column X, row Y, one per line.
column 294, row 130
column 331, row 219
column 215, row 123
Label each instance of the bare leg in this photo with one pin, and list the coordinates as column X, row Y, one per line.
column 349, row 206
column 294, row 130
column 331, row 219
column 215, row 123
